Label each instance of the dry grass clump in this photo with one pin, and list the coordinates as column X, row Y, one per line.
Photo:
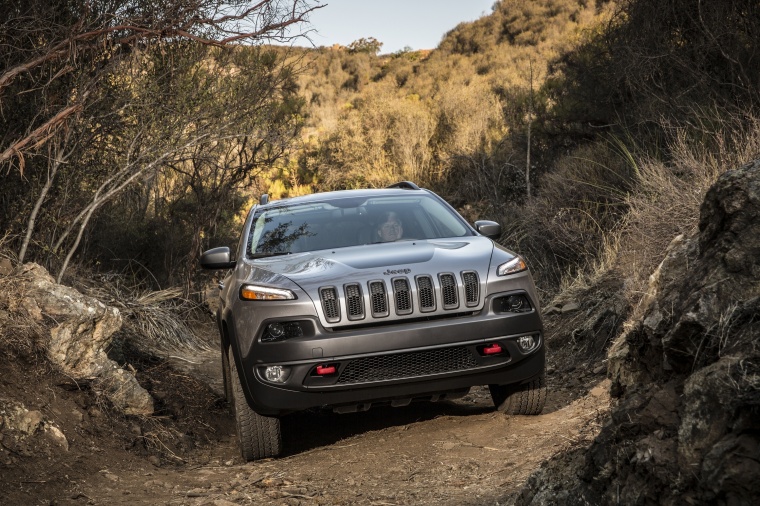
column 21, row 334
column 166, row 321
column 565, row 229
column 668, row 195
column 610, row 207
column 158, row 321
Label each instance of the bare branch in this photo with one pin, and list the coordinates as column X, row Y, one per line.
column 115, row 184
column 40, row 134
column 137, row 32
column 105, row 43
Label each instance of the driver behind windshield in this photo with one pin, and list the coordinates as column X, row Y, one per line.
column 390, row 228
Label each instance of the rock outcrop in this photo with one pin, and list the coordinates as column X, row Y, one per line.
column 82, row 329
column 18, row 423
column 686, row 427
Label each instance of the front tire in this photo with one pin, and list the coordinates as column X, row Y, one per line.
column 525, row 399
column 259, row 435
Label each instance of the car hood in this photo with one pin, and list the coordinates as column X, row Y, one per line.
column 373, row 262
column 378, row 261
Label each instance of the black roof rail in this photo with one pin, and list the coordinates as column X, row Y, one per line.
column 406, row 185
column 264, row 199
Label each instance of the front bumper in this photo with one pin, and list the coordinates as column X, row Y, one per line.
column 395, row 363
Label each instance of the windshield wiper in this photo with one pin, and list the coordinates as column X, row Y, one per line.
column 388, row 242
column 273, row 254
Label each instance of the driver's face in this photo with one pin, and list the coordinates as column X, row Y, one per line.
column 391, row 229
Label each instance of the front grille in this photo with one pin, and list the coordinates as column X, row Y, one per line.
column 407, row 365
column 330, row 304
column 378, row 299
column 449, row 291
column 425, row 293
column 471, row 288
column 354, row 302
column 403, row 296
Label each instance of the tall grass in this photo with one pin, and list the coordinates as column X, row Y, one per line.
column 565, row 230
column 669, row 194
column 614, row 205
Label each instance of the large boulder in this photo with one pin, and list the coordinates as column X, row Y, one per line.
column 686, row 426
column 81, row 332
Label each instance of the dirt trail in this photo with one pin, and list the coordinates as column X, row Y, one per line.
column 458, row 452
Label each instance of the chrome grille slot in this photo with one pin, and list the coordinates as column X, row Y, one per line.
column 354, row 302
column 330, row 304
column 403, row 296
column 471, row 288
column 449, row 291
column 424, row 296
column 378, row 299
column 407, row 365
column 426, row 293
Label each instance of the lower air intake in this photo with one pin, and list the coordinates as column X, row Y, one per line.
column 407, row 365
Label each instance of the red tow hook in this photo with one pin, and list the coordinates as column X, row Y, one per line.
column 492, row 349
column 325, row 370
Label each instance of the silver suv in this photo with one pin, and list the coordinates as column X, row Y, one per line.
column 360, row 297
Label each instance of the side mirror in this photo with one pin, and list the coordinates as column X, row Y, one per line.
column 490, row 229
column 217, row 258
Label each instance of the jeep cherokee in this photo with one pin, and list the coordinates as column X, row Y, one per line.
column 352, row 298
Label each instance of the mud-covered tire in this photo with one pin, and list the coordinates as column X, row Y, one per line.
column 259, row 435
column 525, row 399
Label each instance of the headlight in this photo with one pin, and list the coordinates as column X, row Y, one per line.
column 517, row 264
column 256, row 292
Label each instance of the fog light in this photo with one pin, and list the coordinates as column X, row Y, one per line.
column 276, row 373
column 276, row 330
column 516, row 303
column 526, row 343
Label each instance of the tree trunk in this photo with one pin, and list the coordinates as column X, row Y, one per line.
column 58, row 159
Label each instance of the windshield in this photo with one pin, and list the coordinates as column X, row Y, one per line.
column 351, row 221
